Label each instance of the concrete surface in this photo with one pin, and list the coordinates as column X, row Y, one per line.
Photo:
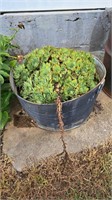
column 86, row 30
column 28, row 145
column 45, row 5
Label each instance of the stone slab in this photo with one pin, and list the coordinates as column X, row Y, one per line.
column 86, row 30
column 28, row 145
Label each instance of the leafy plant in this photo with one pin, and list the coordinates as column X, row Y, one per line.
column 5, row 59
column 45, row 70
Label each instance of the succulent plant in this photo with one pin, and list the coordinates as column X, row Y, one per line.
column 5, row 91
column 42, row 70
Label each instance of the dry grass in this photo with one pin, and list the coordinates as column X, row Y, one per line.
column 86, row 177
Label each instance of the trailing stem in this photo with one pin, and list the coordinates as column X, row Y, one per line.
column 61, row 126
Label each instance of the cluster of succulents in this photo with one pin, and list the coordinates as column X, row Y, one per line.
column 45, row 69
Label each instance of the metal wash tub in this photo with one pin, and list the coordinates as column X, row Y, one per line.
column 74, row 111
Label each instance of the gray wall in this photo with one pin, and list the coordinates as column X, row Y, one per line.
column 87, row 30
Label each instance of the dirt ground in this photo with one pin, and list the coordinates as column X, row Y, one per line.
column 83, row 176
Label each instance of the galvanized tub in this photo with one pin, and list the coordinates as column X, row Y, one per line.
column 74, row 111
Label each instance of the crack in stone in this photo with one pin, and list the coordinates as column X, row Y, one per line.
column 73, row 20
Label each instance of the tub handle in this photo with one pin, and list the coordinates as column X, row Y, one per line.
column 100, row 86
